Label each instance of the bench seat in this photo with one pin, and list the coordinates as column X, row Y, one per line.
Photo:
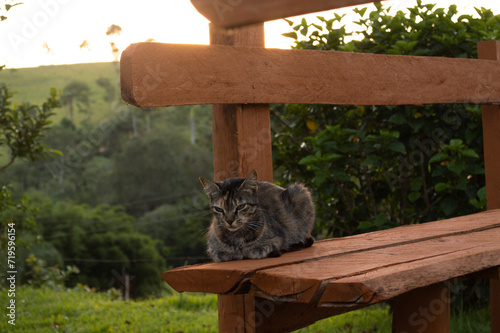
column 358, row 270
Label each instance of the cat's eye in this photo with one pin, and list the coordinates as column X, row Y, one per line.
column 219, row 210
column 241, row 207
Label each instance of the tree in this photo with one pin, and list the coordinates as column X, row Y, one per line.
column 76, row 92
column 108, row 87
column 102, row 242
column 24, row 125
column 374, row 167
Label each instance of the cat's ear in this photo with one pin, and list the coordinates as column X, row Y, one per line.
column 250, row 183
column 210, row 187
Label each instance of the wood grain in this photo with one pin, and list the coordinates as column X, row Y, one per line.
column 376, row 275
column 423, row 310
column 231, row 13
column 235, row 276
column 241, row 139
column 155, row 74
column 490, row 50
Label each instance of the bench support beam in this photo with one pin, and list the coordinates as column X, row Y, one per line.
column 425, row 309
column 490, row 50
column 241, row 142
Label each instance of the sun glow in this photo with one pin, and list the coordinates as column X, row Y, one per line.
column 48, row 32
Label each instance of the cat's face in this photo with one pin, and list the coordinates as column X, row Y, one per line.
column 234, row 201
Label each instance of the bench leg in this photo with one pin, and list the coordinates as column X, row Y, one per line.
column 235, row 313
column 423, row 310
column 495, row 305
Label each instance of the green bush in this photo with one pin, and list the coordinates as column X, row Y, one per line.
column 375, row 167
column 103, row 243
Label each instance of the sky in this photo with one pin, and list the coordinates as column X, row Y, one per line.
column 51, row 32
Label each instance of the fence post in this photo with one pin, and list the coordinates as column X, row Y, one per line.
column 241, row 142
column 490, row 50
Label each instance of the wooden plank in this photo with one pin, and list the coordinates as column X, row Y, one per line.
column 155, row 74
column 379, row 285
column 396, row 269
column 232, row 13
column 423, row 310
column 490, row 50
column 230, row 277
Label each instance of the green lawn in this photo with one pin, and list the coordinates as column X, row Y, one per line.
column 77, row 310
column 33, row 85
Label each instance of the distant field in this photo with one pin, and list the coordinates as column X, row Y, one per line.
column 33, row 84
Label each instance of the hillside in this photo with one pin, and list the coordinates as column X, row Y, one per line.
column 33, row 84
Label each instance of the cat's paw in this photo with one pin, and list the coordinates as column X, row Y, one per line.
column 308, row 242
column 263, row 252
column 225, row 256
column 274, row 254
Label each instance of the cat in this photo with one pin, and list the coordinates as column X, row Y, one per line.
column 254, row 219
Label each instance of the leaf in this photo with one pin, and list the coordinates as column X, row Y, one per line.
column 469, row 153
column 331, row 157
column 455, row 143
column 438, row 158
column 55, row 151
column 370, row 160
column 481, row 193
column 398, row 119
column 456, row 167
column 448, row 205
column 360, row 12
column 380, row 220
column 414, row 196
column 397, row 146
column 365, row 225
column 312, row 125
column 416, row 184
column 341, row 176
column 320, row 177
column 292, row 34
column 308, row 160
column 441, row 187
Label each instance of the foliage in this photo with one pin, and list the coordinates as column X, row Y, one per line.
column 76, row 92
column 168, row 171
column 103, row 166
column 80, row 310
column 23, row 126
column 181, row 232
column 374, row 167
column 39, row 274
column 108, row 87
column 103, row 244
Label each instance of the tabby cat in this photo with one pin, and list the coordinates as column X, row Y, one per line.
column 254, row 219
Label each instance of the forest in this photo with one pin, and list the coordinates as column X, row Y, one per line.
column 118, row 192
column 113, row 190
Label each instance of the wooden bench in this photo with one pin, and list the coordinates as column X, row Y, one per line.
column 411, row 265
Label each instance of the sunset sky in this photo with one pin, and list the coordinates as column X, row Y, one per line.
column 48, row 32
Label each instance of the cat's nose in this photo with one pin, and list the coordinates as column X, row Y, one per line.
column 230, row 222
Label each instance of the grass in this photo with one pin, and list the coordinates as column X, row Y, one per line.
column 33, row 85
column 77, row 310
